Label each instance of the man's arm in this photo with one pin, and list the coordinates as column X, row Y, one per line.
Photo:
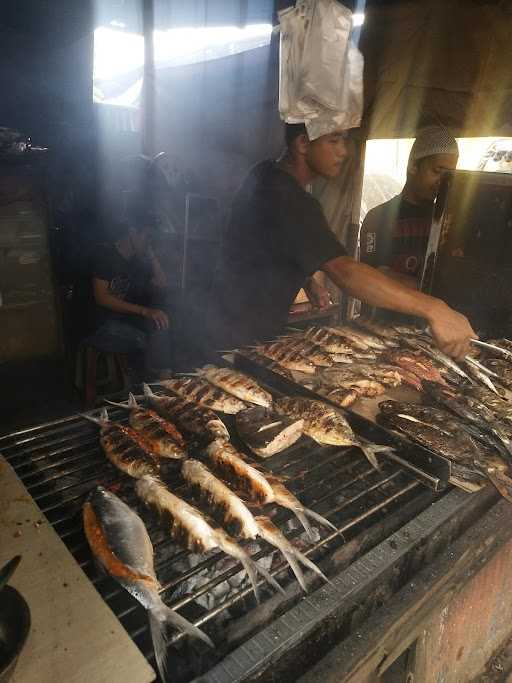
column 406, row 280
column 158, row 277
column 104, row 298
column 450, row 329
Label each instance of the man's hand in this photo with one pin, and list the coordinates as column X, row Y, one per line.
column 317, row 293
column 451, row 330
column 159, row 318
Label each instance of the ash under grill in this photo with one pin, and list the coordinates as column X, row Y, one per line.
column 60, row 462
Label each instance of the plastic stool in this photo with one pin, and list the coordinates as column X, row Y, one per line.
column 116, row 378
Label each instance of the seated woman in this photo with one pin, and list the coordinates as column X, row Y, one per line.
column 129, row 288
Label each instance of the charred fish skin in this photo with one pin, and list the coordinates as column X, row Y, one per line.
column 314, row 353
column 119, row 541
column 236, row 383
column 206, row 394
column 231, row 465
column 287, row 357
column 331, row 343
column 322, row 422
column 195, row 419
column 166, row 441
column 225, row 504
column 127, row 453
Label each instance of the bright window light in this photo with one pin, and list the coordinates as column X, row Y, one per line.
column 119, row 56
column 358, row 19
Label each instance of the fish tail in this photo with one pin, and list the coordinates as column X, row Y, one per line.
column 300, row 514
column 318, row 518
column 296, row 569
column 147, row 390
column 126, row 406
column 268, row 576
column 250, row 568
column 159, row 617
column 101, row 420
column 371, row 449
column 309, row 564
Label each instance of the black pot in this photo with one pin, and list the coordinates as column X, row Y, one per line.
column 14, row 628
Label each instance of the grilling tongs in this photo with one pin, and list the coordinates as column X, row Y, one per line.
column 504, row 353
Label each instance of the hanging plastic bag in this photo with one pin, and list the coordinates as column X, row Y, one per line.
column 321, row 71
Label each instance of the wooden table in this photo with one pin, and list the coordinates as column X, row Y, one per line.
column 74, row 636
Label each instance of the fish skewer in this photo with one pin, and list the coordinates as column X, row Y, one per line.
column 189, row 527
column 237, row 515
column 192, row 418
column 259, row 487
column 327, row 425
column 204, row 393
column 237, row 384
column 126, row 448
column 120, row 543
column 497, row 350
column 165, row 440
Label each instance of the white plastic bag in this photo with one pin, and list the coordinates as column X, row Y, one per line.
column 321, row 71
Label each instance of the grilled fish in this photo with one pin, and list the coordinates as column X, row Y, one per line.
column 195, row 419
column 325, row 424
column 267, row 433
column 415, row 363
column 331, row 343
column 259, row 488
column 472, row 412
column 358, row 339
column 502, row 368
column 288, row 357
column 350, row 378
column 233, row 512
column 204, row 393
column 192, row 530
column 266, row 362
column 340, row 395
column 385, row 374
column 126, row 448
column 162, row 436
column 236, row 383
column 501, row 408
column 388, row 335
column 477, row 374
column 311, row 351
column 120, row 542
column 437, row 355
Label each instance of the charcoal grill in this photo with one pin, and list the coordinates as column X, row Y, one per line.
column 60, row 462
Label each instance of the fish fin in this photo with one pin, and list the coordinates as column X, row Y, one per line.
column 126, row 406
column 296, row 569
column 159, row 617
column 101, row 420
column 371, row 449
column 268, row 576
column 159, row 639
column 308, row 563
column 250, row 568
column 147, row 390
column 318, row 518
column 300, row 514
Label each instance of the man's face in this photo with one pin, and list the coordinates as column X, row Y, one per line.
column 140, row 240
column 325, row 155
column 426, row 174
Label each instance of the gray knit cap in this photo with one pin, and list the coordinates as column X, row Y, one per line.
column 433, row 140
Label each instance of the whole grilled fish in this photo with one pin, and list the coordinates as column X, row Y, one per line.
column 326, row 424
column 192, row 530
column 120, row 543
column 476, row 373
column 162, row 436
column 204, row 393
column 329, row 342
column 236, row 383
column 266, row 362
column 502, row 368
column 501, row 408
column 265, row 432
column 126, row 448
column 385, row 374
column 189, row 416
column 288, row 357
column 259, row 487
column 435, row 429
column 234, row 513
column 437, row 355
column 470, row 411
column 357, row 338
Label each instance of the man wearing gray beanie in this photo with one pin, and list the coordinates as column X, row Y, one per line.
column 394, row 235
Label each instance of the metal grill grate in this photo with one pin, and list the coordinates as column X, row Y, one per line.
column 60, row 462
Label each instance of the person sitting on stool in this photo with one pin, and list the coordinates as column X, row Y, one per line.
column 127, row 282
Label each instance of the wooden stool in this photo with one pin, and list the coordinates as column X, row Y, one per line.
column 115, row 379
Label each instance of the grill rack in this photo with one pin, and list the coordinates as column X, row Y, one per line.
column 60, row 462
